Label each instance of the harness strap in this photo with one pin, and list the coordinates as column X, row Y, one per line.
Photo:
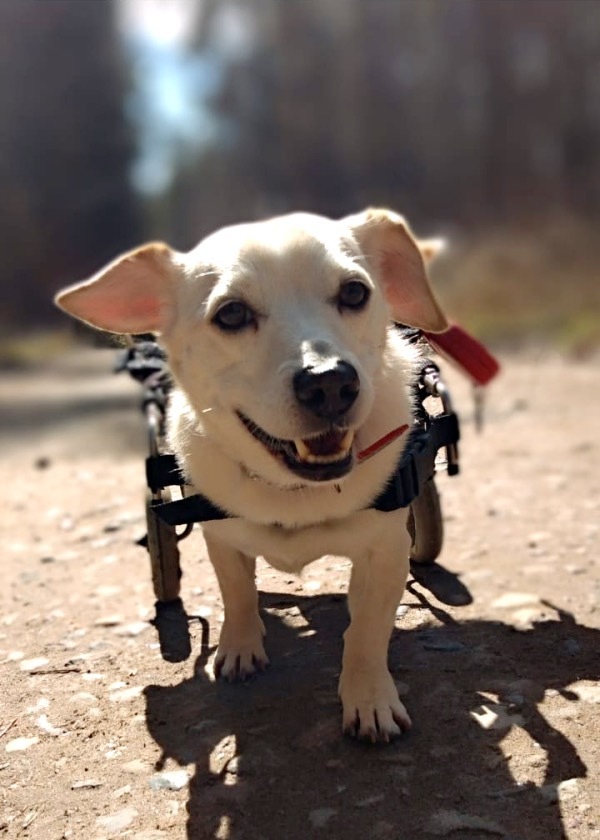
column 417, row 463
column 195, row 508
column 416, row 466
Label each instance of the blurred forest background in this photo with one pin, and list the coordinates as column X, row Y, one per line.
column 126, row 120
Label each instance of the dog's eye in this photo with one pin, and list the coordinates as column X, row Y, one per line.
column 353, row 295
column 233, row 316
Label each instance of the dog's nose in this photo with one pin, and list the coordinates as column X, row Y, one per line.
column 327, row 390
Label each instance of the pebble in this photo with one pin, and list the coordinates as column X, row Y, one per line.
column 321, row 816
column 45, row 725
column 222, row 754
column 527, row 617
column 495, row 716
column 589, row 693
column 133, row 629
column 137, row 766
column 15, row 655
column 20, row 744
column 561, row 791
column 86, row 783
column 395, row 758
column 33, row 664
column 510, row 600
column 444, row 645
column 370, row 800
column 108, row 621
column 126, row 694
column 447, row 821
column 120, row 820
column 170, row 780
column 82, row 698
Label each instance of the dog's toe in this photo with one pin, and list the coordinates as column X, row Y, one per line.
column 373, row 711
column 239, row 657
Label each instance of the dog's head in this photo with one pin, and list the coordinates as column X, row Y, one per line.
column 275, row 330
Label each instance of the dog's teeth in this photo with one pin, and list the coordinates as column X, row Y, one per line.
column 304, row 453
column 347, row 440
column 302, row 449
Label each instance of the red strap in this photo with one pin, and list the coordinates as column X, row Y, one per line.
column 456, row 345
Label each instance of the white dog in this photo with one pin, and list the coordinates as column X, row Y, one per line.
column 287, row 368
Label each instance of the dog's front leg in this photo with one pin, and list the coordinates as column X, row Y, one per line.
column 240, row 652
column 371, row 707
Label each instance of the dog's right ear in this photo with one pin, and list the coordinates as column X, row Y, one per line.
column 133, row 294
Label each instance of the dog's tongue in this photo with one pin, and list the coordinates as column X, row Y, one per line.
column 329, row 443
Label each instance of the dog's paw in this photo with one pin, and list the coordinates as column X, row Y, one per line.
column 241, row 652
column 372, row 710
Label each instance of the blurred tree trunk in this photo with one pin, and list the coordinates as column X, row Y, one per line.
column 65, row 151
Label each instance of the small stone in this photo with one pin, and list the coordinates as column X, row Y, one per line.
column 111, row 527
column 86, row 783
column 321, row 816
column 83, row 698
column 47, row 558
column 137, row 767
column 515, row 599
column 383, row 828
column 170, row 780
column 42, row 462
column 446, row 821
column 561, row 791
column 126, row 694
column 33, row 664
column 444, row 645
column 222, row 755
column 588, row 693
column 133, row 629
column 495, row 716
column 45, row 725
column 20, row 744
column 108, row 621
column 389, row 757
column 527, row 617
column 120, row 820
column 370, row 800
column 15, row 655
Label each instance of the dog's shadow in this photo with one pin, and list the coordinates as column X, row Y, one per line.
column 270, row 761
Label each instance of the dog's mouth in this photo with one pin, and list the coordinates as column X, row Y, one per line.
column 323, row 457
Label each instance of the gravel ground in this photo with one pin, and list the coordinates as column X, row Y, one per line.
column 100, row 737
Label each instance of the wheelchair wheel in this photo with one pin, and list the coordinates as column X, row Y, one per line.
column 425, row 525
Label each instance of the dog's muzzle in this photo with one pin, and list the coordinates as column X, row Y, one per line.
column 323, row 457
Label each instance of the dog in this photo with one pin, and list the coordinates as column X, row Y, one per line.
column 287, row 368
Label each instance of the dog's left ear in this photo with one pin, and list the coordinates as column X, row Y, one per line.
column 398, row 262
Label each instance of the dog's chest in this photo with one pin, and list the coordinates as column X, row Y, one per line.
column 290, row 549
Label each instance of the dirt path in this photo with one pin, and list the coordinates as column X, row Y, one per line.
column 100, row 737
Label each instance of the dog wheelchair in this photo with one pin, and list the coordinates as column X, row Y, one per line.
column 432, row 446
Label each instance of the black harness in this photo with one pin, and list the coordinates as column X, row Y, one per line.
column 147, row 363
